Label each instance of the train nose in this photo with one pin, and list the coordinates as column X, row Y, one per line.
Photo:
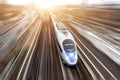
column 71, row 54
column 72, row 59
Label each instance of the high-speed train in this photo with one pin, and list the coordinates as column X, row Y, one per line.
column 66, row 42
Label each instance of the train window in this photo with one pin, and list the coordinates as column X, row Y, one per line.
column 69, row 45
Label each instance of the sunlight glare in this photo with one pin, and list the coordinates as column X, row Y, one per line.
column 94, row 1
column 18, row 2
column 52, row 3
column 45, row 3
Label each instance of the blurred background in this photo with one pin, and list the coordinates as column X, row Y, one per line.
column 29, row 49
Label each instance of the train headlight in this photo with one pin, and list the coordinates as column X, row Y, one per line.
column 71, row 54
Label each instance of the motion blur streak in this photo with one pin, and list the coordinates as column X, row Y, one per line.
column 29, row 49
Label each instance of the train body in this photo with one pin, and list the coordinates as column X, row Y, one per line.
column 66, row 42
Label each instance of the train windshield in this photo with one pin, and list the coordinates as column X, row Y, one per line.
column 69, row 45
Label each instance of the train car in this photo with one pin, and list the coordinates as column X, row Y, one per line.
column 66, row 42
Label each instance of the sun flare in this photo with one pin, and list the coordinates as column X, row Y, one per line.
column 47, row 3
column 52, row 3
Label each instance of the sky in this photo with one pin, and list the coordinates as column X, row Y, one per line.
column 58, row 2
